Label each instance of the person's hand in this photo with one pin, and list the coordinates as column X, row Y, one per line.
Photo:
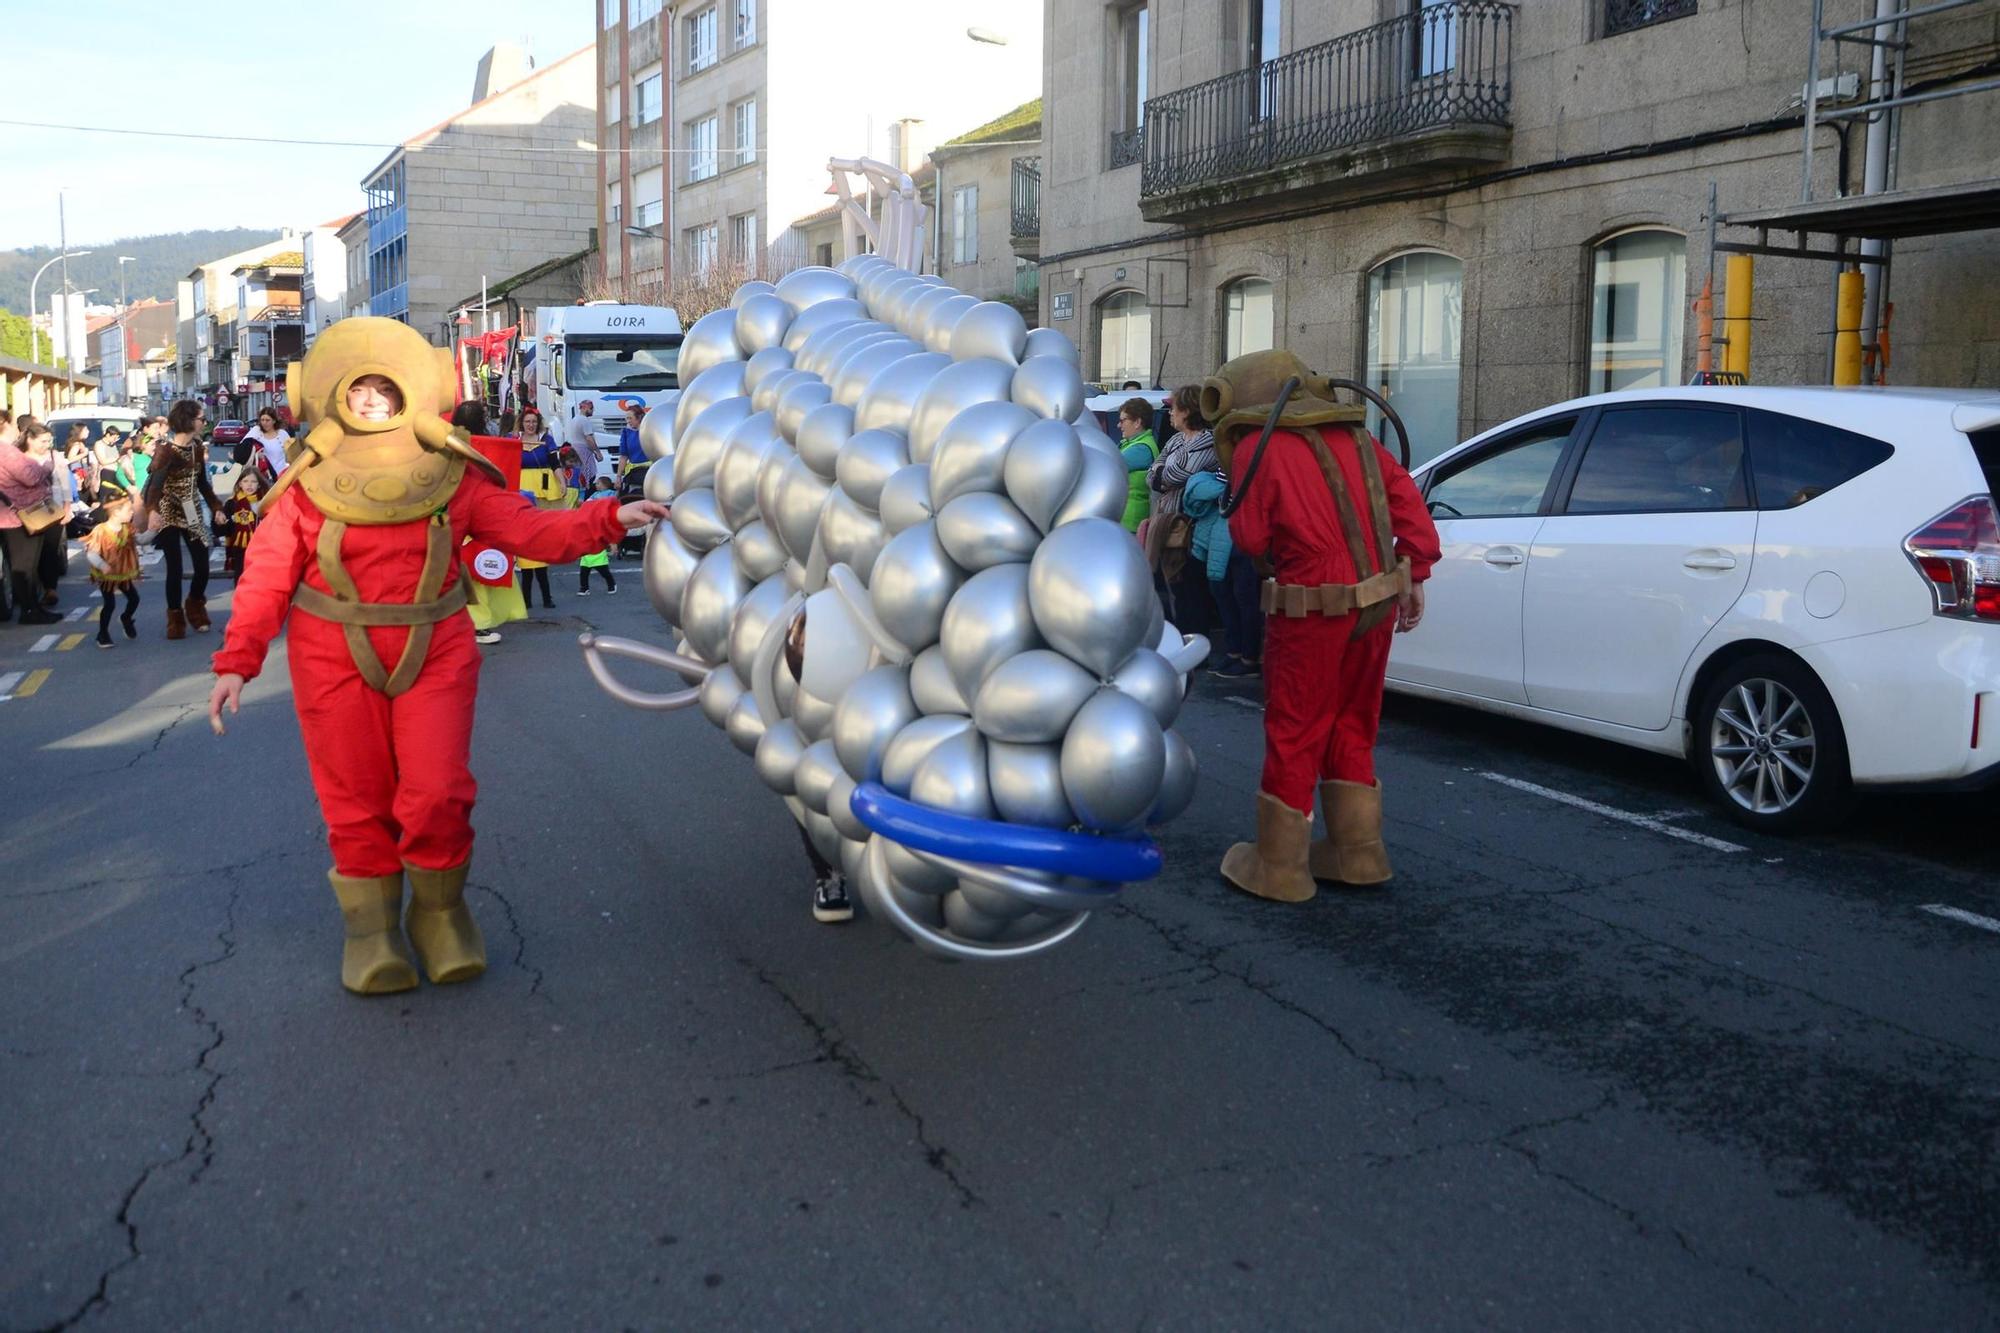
column 641, row 512
column 228, row 690
column 1410, row 609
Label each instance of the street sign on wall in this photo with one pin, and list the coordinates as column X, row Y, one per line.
column 1062, row 305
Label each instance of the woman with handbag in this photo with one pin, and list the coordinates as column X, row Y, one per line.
column 30, row 518
column 1191, row 450
column 176, row 487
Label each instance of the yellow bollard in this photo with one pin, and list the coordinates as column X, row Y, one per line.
column 1847, row 330
column 1737, row 283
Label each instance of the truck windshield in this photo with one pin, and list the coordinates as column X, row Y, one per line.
column 622, row 365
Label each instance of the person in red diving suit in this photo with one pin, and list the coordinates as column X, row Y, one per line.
column 1351, row 542
column 361, row 556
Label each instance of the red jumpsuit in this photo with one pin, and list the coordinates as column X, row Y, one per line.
column 393, row 778
column 1322, row 689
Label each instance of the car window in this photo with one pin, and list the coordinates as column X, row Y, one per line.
column 1651, row 460
column 1506, row 480
column 1793, row 460
column 1986, row 448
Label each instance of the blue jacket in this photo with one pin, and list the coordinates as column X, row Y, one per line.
column 1201, row 505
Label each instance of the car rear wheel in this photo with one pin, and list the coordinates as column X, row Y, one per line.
column 1769, row 746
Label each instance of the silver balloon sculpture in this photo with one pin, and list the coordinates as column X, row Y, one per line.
column 907, row 476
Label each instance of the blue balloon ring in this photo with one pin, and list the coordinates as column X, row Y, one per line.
column 1112, row 860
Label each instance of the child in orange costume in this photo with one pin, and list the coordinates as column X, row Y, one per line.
column 362, row 536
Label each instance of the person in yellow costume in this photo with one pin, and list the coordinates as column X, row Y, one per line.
column 490, row 605
column 542, row 482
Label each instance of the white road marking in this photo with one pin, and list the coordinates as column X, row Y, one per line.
column 1247, row 703
column 7, row 684
column 1612, row 812
column 46, row 642
column 1960, row 914
column 78, row 613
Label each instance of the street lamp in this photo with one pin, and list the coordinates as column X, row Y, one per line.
column 35, row 282
column 123, row 260
column 986, row 35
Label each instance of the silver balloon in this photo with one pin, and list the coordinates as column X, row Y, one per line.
column 797, row 401
column 764, row 398
column 1041, row 469
column 705, row 390
column 753, row 616
column 801, row 492
column 1091, row 437
column 990, row 329
column 871, row 285
column 719, row 693
column 1152, row 680
column 1176, row 782
column 931, row 684
column 840, row 809
column 953, row 777
column 887, row 303
column 784, row 685
column 825, row 315
column 980, row 531
column 659, row 483
column 825, row 837
column 987, row 622
column 916, row 319
column 769, row 476
column 911, row 585
column 825, row 346
column 691, row 677
column 803, row 288
column 961, row 385
column 777, row 756
column 1051, row 342
column 965, row 920
column 856, row 372
column 858, row 266
column 912, row 745
column 1026, row 781
column 708, row 603
column 760, row 367
column 1156, row 623
column 815, row 775
column 943, row 321
column 758, row 551
column 990, row 901
column 891, row 397
column 698, row 522
column 656, row 435
column 906, row 499
column 849, row 534
column 744, row 725
column 836, row 361
column 709, row 341
column 1102, row 488
column 853, row 847
column 1092, row 593
column 668, row 564
column 1114, row 756
column 869, row 715
column 972, row 450
column 697, row 447
column 753, row 287
column 813, row 714
column 821, row 435
column 867, row 461
column 743, row 455
column 919, row 884
column 1050, row 387
column 1031, row 698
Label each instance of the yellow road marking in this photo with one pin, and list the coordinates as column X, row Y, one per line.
column 69, row 641
column 33, row 682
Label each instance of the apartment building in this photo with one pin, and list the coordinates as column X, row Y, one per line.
column 1485, row 207
column 723, row 113
column 497, row 189
column 208, row 312
column 325, row 290
column 132, row 352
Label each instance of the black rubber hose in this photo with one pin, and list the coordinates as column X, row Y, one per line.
column 1285, row 392
column 1388, row 414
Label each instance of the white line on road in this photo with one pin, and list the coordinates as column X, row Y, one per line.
column 1612, row 812
column 46, row 642
column 1247, row 703
column 7, row 684
column 78, row 613
column 1960, row 914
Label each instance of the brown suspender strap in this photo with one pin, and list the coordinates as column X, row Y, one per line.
column 346, row 609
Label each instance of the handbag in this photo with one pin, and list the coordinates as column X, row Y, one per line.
column 45, row 513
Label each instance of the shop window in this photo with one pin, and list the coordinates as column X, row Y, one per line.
column 1416, row 306
column 1637, row 289
column 1124, row 339
column 1249, row 318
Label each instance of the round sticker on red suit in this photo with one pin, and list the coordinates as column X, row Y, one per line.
column 490, row 563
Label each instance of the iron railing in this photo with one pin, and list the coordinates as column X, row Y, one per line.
column 1627, row 15
column 1128, row 146
column 1447, row 64
column 1026, row 197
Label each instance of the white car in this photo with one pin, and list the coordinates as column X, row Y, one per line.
column 1798, row 589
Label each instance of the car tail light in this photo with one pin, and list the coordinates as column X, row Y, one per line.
column 1958, row 553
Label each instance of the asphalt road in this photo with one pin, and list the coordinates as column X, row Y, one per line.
column 1568, row 1072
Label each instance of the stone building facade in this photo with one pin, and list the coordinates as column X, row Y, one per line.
column 1485, row 207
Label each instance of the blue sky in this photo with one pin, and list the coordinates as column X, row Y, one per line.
column 372, row 70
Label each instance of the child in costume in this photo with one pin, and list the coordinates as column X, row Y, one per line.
column 359, row 547
column 597, row 560
column 1352, row 543
column 114, row 562
column 241, row 515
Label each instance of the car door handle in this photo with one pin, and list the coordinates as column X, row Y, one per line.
column 1504, row 556
column 1709, row 560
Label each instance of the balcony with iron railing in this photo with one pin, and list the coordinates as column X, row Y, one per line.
column 1025, row 206
column 1425, row 94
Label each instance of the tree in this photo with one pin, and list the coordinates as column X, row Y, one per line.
column 15, row 335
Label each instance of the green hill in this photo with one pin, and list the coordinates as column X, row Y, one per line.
column 162, row 261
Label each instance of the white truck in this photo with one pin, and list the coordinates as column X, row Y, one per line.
column 614, row 356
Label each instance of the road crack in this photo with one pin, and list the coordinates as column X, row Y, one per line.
column 520, row 958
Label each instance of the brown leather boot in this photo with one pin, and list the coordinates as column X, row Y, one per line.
column 177, row 626
column 375, row 960
column 441, row 925
column 197, row 614
column 1352, row 852
column 1274, row 866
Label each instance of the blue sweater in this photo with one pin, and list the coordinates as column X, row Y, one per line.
column 1201, row 505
